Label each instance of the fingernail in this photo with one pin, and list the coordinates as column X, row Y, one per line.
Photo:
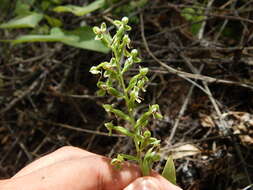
column 142, row 184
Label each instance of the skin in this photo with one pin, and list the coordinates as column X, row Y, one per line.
column 71, row 168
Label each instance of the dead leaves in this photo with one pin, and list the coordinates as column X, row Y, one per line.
column 241, row 124
column 206, row 120
column 184, row 150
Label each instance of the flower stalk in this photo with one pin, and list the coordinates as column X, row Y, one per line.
column 113, row 82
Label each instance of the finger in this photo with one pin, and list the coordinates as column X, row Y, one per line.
column 62, row 154
column 88, row 173
column 150, row 182
column 164, row 182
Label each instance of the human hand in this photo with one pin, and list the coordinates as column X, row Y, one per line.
column 71, row 168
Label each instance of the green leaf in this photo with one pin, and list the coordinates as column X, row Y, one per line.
column 28, row 21
column 86, row 40
column 80, row 11
column 54, row 22
column 194, row 16
column 188, row 13
column 129, row 157
column 169, row 171
column 114, row 92
column 123, row 131
column 148, row 160
column 56, row 35
column 80, row 38
column 23, row 7
column 142, row 121
column 45, row 5
column 119, row 129
column 117, row 112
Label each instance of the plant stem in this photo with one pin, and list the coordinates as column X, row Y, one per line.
column 133, row 122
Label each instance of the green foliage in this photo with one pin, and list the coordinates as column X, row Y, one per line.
column 27, row 21
column 80, row 11
column 169, row 171
column 82, row 37
column 23, row 7
column 195, row 16
column 112, row 81
column 56, row 35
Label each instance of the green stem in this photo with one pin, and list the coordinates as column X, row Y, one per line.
column 130, row 112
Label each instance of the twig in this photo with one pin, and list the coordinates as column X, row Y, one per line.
column 183, row 74
column 203, row 25
column 182, row 110
column 21, row 144
column 66, row 126
column 24, row 93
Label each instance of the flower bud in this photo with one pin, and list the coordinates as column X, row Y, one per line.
column 96, row 30
column 134, row 52
column 125, row 20
column 147, row 133
column 143, row 71
column 103, row 27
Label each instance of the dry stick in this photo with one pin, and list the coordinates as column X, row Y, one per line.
column 66, row 126
column 182, row 110
column 224, row 126
column 21, row 144
column 226, row 4
column 85, row 96
column 8, row 152
column 185, row 75
column 203, row 25
column 65, row 76
column 93, row 137
column 79, row 110
column 24, row 93
column 224, row 23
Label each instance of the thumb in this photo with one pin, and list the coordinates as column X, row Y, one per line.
column 154, row 183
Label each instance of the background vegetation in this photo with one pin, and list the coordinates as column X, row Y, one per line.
column 199, row 54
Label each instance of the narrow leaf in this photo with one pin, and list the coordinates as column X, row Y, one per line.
column 80, row 11
column 169, row 171
column 141, row 122
column 81, row 38
column 56, row 35
column 123, row 131
column 28, row 21
column 86, row 40
column 54, row 22
column 117, row 112
column 129, row 157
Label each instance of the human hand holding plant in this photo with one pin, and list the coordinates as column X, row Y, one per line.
column 70, row 168
column 112, row 81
